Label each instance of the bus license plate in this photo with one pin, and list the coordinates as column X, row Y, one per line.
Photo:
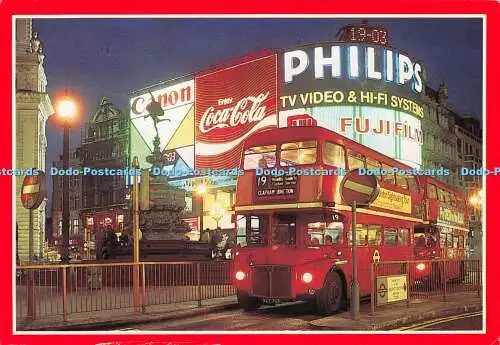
column 271, row 300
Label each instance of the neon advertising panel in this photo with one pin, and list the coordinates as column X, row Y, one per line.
column 231, row 104
column 175, row 127
column 368, row 93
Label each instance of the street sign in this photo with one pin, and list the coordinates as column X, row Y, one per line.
column 362, row 189
column 392, row 289
column 33, row 190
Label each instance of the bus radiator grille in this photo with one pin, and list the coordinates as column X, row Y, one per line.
column 271, row 281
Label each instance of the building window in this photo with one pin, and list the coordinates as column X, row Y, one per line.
column 75, row 226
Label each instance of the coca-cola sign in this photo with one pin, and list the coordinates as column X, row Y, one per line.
column 231, row 104
column 246, row 110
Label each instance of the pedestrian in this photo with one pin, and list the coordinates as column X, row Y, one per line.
column 205, row 235
column 100, row 239
column 111, row 242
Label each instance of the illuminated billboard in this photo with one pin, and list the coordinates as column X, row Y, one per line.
column 175, row 127
column 231, row 104
column 368, row 93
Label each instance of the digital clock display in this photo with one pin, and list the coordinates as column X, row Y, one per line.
column 365, row 33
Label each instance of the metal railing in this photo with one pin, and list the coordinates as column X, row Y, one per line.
column 60, row 290
column 417, row 280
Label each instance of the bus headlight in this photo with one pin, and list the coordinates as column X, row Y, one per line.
column 421, row 266
column 240, row 275
column 307, row 277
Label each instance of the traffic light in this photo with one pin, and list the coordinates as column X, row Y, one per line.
column 155, row 193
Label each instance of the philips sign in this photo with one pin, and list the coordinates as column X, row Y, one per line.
column 353, row 62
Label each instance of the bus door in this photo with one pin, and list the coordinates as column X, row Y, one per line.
column 284, row 230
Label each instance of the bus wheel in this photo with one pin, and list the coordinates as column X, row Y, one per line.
column 331, row 297
column 248, row 303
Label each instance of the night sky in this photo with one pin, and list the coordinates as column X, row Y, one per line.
column 97, row 57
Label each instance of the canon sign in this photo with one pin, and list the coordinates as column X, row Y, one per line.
column 353, row 62
column 169, row 97
column 246, row 110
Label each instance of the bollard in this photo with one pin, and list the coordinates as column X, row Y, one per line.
column 445, row 277
column 143, row 288
column 372, row 298
column 198, row 278
column 31, row 295
column 64, row 293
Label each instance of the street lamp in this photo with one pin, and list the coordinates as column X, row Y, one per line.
column 475, row 200
column 200, row 191
column 66, row 110
column 217, row 213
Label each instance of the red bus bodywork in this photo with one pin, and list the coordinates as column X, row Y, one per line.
column 270, row 270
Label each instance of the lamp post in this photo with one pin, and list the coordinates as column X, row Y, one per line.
column 66, row 110
column 475, row 236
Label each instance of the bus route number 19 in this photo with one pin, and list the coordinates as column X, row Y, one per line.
column 261, row 181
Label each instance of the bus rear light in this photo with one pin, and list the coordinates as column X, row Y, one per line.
column 311, row 292
column 240, row 275
column 307, row 277
column 421, row 266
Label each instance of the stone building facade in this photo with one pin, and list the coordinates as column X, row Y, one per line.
column 33, row 107
column 105, row 144
column 75, row 205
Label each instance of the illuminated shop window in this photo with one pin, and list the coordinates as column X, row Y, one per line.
column 260, row 157
column 299, row 152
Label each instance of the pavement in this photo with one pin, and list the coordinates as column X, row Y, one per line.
column 396, row 315
column 385, row 318
column 114, row 318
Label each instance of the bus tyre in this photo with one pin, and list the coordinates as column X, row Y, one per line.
column 248, row 303
column 331, row 297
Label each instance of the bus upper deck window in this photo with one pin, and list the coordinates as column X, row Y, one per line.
column 259, row 157
column 374, row 165
column 441, row 195
column 412, row 183
column 355, row 160
column 401, row 181
column 334, row 154
column 299, row 152
column 389, row 177
column 431, row 191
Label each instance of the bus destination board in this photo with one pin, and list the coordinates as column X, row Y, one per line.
column 281, row 187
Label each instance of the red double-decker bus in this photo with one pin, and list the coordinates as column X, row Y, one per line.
column 445, row 232
column 293, row 230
